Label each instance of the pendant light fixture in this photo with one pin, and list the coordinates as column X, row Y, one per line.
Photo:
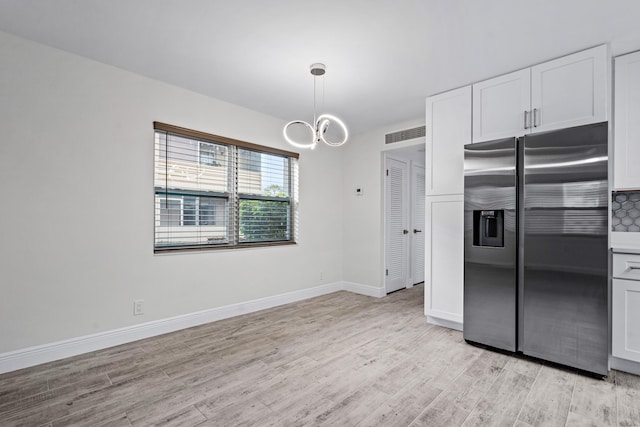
column 321, row 123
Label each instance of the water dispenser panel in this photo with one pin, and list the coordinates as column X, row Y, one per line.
column 488, row 228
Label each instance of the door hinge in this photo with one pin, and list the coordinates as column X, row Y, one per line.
column 387, row 172
column 387, row 272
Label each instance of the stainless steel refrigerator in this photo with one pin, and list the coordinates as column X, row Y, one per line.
column 535, row 246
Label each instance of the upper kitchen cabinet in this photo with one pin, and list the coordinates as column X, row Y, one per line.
column 566, row 92
column 569, row 91
column 501, row 106
column 448, row 130
column 626, row 122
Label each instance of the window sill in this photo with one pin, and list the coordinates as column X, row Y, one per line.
column 201, row 248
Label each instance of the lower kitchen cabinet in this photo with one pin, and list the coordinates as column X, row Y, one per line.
column 444, row 260
column 625, row 319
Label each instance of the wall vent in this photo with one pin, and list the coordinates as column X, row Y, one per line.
column 406, row 134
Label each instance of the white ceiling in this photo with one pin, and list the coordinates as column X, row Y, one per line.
column 383, row 56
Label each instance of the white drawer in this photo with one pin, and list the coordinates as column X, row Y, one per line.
column 626, row 266
column 620, row 240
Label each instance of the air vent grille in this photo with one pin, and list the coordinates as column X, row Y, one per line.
column 406, row 134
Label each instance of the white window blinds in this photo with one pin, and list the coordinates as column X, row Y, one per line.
column 215, row 192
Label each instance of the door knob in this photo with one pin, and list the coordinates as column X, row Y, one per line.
column 405, row 231
column 416, row 231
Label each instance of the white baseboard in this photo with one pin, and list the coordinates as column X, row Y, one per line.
column 24, row 358
column 624, row 365
column 370, row 291
column 445, row 323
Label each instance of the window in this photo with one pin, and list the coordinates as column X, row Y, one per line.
column 191, row 210
column 216, row 192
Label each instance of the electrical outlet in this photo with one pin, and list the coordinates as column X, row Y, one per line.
column 138, row 307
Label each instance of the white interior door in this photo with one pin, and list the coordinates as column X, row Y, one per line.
column 417, row 232
column 396, row 224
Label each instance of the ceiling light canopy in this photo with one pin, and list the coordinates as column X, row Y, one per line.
column 318, row 131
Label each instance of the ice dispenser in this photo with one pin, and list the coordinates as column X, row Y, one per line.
column 488, row 228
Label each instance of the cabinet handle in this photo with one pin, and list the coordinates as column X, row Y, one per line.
column 525, row 119
column 535, row 117
column 631, row 265
column 415, row 230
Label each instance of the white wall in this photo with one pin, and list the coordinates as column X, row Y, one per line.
column 475, row 40
column 363, row 215
column 76, row 181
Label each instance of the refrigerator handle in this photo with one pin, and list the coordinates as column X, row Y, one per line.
column 525, row 119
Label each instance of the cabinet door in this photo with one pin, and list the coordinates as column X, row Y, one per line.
column 448, row 130
column 625, row 318
column 501, row 106
column 570, row 91
column 444, row 256
column 626, row 122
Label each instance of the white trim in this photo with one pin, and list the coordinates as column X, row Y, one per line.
column 32, row 356
column 445, row 315
column 370, row 291
column 445, row 323
column 624, row 365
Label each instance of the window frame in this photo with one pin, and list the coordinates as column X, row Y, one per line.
column 232, row 222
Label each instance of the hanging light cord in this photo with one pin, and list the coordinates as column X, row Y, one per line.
column 314, row 107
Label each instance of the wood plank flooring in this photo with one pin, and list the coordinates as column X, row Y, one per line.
column 340, row 360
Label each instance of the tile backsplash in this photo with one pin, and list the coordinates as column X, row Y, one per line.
column 625, row 211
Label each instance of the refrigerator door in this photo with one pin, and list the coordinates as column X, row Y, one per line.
column 564, row 289
column 490, row 243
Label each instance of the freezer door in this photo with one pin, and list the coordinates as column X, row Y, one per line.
column 564, row 287
column 490, row 243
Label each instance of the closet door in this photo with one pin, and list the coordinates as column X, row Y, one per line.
column 396, row 225
column 417, row 219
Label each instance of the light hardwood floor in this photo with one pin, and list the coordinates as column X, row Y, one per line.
column 340, row 359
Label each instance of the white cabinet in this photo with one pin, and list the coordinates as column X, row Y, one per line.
column 448, row 131
column 569, row 91
column 625, row 318
column 444, row 256
column 501, row 106
column 625, row 311
column 448, row 124
column 626, row 122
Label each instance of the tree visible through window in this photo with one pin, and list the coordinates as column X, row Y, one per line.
column 216, row 192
